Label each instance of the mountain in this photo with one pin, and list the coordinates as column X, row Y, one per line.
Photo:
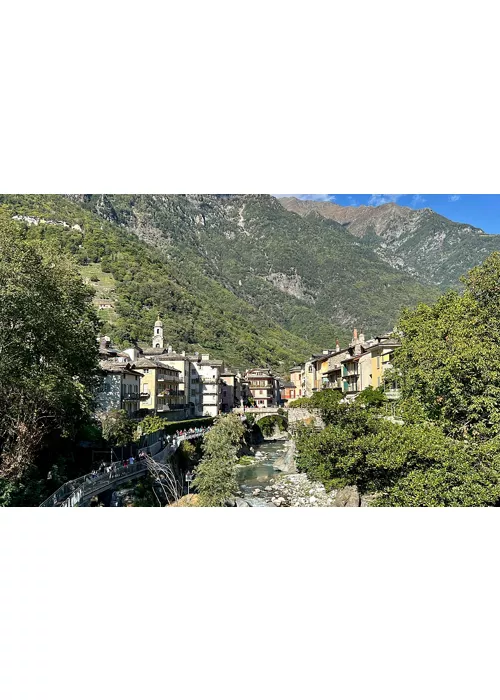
column 138, row 280
column 239, row 276
column 424, row 244
column 310, row 276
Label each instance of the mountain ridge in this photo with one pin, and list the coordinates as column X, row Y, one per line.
column 425, row 244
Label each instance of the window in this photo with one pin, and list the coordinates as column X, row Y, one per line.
column 157, row 331
column 378, row 363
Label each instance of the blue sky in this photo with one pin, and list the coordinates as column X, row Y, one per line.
column 481, row 210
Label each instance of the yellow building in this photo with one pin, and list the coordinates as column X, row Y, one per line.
column 297, row 379
column 159, row 386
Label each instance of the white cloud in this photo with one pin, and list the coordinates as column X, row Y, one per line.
column 453, row 197
column 352, row 202
column 378, row 199
column 314, row 197
column 417, row 199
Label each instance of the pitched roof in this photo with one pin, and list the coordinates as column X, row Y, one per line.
column 117, row 368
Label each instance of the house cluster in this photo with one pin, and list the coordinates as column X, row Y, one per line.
column 360, row 365
column 177, row 385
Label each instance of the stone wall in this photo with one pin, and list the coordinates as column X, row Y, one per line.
column 305, row 416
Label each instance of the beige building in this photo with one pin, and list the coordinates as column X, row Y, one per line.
column 231, row 391
column 297, row 379
column 263, row 387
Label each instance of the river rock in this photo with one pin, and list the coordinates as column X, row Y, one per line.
column 230, row 503
column 241, row 503
column 255, row 492
column 348, row 497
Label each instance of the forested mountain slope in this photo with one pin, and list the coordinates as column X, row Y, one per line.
column 239, row 276
column 144, row 281
column 421, row 242
column 309, row 275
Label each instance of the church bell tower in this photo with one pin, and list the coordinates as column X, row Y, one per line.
column 158, row 333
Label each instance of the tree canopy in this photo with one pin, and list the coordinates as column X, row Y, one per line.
column 216, row 473
column 48, row 351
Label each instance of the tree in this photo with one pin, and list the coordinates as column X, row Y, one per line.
column 372, row 397
column 117, row 428
column 151, row 424
column 448, row 362
column 48, row 353
column 216, row 473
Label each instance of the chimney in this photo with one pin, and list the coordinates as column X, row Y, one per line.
column 183, row 353
column 169, row 349
column 132, row 353
column 361, row 338
column 205, row 357
column 355, row 334
column 337, row 346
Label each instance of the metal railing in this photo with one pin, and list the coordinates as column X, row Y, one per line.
column 73, row 492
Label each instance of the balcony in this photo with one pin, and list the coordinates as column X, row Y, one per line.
column 207, row 380
column 144, row 395
column 350, row 372
column 131, row 396
column 174, row 380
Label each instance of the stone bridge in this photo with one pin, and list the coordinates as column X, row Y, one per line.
column 77, row 491
column 258, row 412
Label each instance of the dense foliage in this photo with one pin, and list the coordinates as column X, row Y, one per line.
column 446, row 453
column 48, row 354
column 216, row 474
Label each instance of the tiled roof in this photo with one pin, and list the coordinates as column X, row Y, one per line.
column 118, row 368
column 150, row 363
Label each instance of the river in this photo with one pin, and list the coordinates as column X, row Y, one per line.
column 259, row 473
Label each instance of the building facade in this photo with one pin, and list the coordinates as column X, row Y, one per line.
column 208, row 376
column 263, row 387
column 160, row 391
column 120, row 388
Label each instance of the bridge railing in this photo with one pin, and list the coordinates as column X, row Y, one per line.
column 72, row 492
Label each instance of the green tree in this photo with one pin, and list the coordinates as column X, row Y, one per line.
column 117, row 428
column 151, row 424
column 372, row 397
column 216, row 474
column 448, row 362
column 48, row 353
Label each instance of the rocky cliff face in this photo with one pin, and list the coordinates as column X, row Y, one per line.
column 420, row 242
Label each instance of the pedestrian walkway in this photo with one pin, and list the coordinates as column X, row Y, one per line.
column 74, row 492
